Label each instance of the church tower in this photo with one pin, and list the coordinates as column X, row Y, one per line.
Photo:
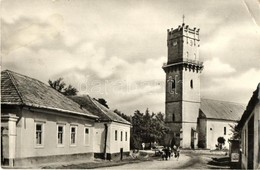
column 182, row 70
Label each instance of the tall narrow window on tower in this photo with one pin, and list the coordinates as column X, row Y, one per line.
column 173, row 117
column 187, row 54
column 191, row 83
column 173, row 84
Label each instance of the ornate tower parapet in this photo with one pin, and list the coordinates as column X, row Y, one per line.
column 183, row 43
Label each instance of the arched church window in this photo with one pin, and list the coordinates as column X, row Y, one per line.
column 173, row 117
column 191, row 84
column 173, row 84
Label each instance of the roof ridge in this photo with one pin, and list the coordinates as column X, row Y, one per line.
column 223, row 101
column 14, row 83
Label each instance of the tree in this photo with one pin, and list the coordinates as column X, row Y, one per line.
column 59, row 85
column 148, row 128
column 103, row 102
column 235, row 132
column 70, row 91
column 221, row 142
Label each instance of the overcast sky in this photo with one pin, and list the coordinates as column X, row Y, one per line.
column 115, row 49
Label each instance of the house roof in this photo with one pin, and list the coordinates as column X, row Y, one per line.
column 98, row 109
column 215, row 109
column 17, row 89
column 255, row 99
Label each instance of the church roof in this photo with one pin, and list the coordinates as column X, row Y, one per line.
column 223, row 110
column 17, row 89
column 255, row 99
column 98, row 109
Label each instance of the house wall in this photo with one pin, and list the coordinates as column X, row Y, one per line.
column 99, row 137
column 28, row 153
column 215, row 129
column 113, row 146
column 244, row 137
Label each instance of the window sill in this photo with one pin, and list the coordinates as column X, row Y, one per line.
column 39, row 147
column 73, row 145
column 60, row 146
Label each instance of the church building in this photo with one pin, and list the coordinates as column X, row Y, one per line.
column 194, row 122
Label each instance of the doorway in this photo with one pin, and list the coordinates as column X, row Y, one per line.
column 250, row 141
column 121, row 153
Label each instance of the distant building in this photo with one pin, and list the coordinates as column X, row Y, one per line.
column 215, row 120
column 250, row 133
column 112, row 132
column 194, row 121
column 40, row 125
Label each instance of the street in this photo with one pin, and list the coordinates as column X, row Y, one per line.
column 186, row 161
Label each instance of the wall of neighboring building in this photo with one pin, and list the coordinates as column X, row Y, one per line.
column 246, row 149
column 120, row 144
column 28, row 152
column 99, row 138
column 257, row 137
column 215, row 129
column 122, row 141
column 114, row 144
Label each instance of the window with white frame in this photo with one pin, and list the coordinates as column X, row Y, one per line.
column 60, row 134
column 121, row 135
column 86, row 136
column 73, row 134
column 125, row 136
column 39, row 134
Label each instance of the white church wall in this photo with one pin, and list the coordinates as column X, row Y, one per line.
column 216, row 129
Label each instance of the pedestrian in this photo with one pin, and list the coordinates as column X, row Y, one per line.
column 164, row 153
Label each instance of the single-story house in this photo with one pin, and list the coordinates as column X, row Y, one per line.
column 40, row 125
column 111, row 132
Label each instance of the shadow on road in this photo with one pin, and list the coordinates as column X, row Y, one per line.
column 219, row 163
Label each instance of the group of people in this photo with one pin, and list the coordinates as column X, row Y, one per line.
column 168, row 152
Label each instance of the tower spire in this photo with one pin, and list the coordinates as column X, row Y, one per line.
column 183, row 17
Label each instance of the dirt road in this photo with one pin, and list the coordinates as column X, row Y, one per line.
column 186, row 161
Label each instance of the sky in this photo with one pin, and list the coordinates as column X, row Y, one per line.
column 115, row 49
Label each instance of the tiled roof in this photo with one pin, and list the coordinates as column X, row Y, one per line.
column 98, row 109
column 87, row 103
column 111, row 114
column 17, row 89
column 255, row 99
column 223, row 110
